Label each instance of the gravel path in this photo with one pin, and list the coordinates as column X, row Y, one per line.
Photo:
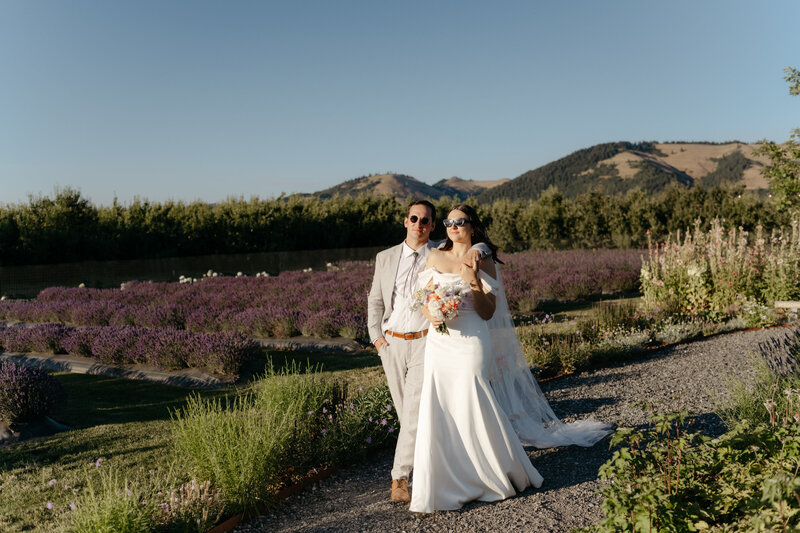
column 691, row 376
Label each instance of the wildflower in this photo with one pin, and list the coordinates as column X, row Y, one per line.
column 324, row 410
column 72, row 507
column 311, row 412
column 370, row 419
column 330, row 417
column 383, row 422
column 351, row 405
column 391, row 429
column 388, row 407
column 49, row 505
column 369, row 440
column 324, row 431
column 51, row 482
column 361, row 388
column 97, row 463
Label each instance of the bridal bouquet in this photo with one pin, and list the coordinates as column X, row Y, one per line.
column 442, row 301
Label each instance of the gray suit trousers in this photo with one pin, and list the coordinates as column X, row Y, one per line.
column 403, row 364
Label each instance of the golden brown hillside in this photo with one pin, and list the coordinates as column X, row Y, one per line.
column 695, row 159
column 403, row 187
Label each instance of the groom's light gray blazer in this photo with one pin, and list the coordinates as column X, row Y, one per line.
column 379, row 301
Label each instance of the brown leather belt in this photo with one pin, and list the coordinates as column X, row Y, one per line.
column 407, row 336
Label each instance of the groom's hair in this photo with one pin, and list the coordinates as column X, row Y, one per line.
column 426, row 203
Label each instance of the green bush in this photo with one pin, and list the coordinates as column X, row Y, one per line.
column 718, row 274
column 236, row 447
column 110, row 504
column 668, row 479
column 287, row 424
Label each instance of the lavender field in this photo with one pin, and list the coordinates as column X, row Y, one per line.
column 213, row 318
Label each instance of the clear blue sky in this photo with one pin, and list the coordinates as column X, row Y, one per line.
column 206, row 100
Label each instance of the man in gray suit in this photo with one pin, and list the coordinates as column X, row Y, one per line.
column 399, row 333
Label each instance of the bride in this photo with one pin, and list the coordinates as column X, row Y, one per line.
column 479, row 400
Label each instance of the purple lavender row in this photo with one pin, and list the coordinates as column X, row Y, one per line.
column 168, row 349
column 259, row 322
column 569, row 275
column 320, row 304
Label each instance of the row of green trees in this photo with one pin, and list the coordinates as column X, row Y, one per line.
column 67, row 227
column 596, row 220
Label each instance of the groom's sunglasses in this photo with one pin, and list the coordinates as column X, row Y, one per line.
column 455, row 222
column 424, row 220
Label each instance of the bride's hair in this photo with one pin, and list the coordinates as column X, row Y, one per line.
column 478, row 228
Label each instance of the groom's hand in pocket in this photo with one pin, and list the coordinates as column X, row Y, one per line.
column 380, row 343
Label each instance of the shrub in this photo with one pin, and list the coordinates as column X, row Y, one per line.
column 27, row 393
column 665, row 478
column 713, row 274
column 321, row 324
column 289, row 423
column 192, row 507
column 113, row 504
column 613, row 314
column 247, row 472
column 48, row 338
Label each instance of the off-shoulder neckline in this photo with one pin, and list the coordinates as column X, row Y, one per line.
column 455, row 273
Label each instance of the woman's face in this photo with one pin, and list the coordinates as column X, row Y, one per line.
column 459, row 233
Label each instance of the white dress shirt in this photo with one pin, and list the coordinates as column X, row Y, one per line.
column 403, row 319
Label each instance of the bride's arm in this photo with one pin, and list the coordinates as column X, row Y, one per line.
column 484, row 302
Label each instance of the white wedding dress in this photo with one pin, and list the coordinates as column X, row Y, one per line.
column 466, row 448
column 479, row 404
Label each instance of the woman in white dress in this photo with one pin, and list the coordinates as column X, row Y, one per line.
column 479, row 400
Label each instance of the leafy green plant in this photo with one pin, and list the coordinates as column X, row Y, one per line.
column 289, row 423
column 111, row 503
column 245, row 473
column 713, row 274
column 613, row 314
column 667, row 479
column 784, row 171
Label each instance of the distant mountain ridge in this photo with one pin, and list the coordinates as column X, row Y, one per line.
column 403, row 187
column 614, row 168
column 611, row 168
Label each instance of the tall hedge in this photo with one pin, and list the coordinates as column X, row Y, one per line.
column 67, row 227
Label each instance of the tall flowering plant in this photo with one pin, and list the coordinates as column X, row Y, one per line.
column 716, row 272
column 442, row 301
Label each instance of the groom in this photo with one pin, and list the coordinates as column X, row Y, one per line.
column 399, row 333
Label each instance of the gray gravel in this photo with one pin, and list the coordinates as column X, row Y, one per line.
column 693, row 376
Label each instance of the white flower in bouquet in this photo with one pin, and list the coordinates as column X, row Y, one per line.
column 442, row 301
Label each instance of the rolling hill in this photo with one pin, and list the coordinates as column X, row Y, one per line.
column 618, row 167
column 611, row 168
column 403, row 187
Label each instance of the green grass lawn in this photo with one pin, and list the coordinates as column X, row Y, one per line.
column 126, row 424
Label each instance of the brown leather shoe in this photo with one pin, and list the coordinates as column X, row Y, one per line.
column 400, row 491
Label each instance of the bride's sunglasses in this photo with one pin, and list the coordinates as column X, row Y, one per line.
column 424, row 220
column 455, row 222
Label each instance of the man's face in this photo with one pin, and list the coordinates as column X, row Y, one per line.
column 419, row 223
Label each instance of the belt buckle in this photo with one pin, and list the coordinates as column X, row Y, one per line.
column 409, row 336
